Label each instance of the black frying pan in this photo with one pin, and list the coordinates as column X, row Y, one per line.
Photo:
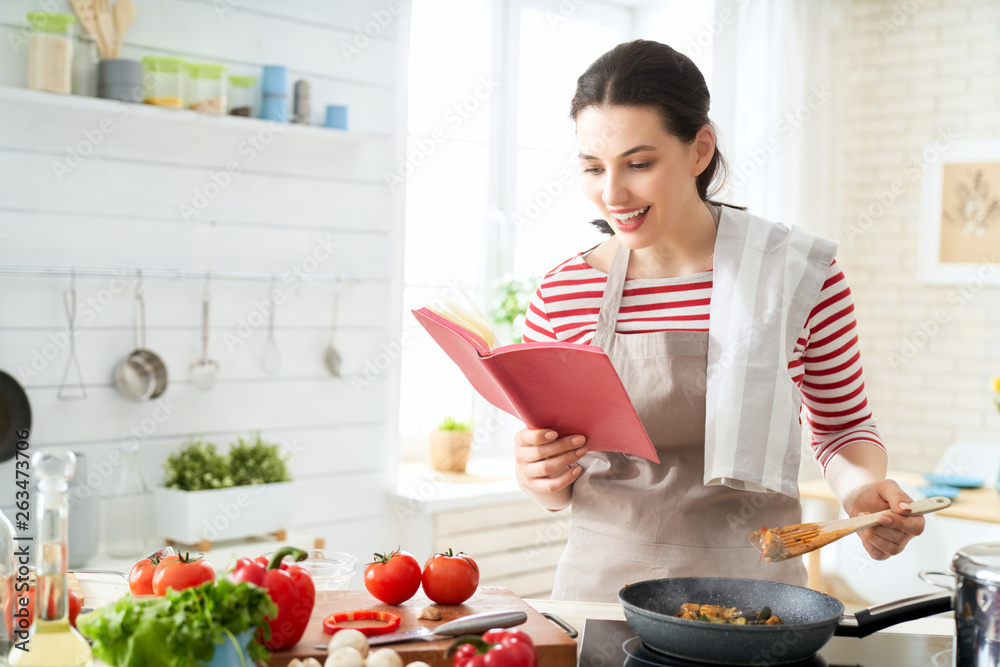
column 15, row 416
column 811, row 619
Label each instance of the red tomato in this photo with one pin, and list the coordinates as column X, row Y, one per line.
column 140, row 579
column 75, row 603
column 180, row 572
column 393, row 578
column 450, row 578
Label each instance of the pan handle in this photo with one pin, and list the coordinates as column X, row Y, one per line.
column 566, row 627
column 879, row 617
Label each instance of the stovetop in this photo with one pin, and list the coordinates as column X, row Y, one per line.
column 613, row 644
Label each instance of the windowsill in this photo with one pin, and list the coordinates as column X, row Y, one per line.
column 486, row 481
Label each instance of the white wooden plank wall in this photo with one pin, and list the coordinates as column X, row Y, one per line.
column 306, row 202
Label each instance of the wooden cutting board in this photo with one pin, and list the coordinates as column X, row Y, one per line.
column 555, row 648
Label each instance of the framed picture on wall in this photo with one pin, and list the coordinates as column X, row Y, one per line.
column 960, row 215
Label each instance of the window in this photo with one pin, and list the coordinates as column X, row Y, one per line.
column 492, row 188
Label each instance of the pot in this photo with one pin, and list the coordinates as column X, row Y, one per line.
column 15, row 417
column 977, row 603
column 810, row 619
column 141, row 375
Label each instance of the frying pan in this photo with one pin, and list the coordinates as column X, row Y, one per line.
column 811, row 618
column 15, row 415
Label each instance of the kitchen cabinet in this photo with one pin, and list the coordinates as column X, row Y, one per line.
column 515, row 542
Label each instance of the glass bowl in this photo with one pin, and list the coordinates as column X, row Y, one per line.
column 330, row 570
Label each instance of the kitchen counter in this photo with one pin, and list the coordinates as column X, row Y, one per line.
column 484, row 482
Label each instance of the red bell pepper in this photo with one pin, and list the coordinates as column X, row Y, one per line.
column 496, row 648
column 289, row 586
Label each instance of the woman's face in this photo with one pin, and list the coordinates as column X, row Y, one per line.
column 641, row 178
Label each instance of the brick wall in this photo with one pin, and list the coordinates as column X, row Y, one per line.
column 916, row 77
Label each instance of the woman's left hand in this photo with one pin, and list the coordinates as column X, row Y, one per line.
column 894, row 530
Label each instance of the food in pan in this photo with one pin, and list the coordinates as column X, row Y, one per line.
column 714, row 613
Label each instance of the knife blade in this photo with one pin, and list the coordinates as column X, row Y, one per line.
column 472, row 624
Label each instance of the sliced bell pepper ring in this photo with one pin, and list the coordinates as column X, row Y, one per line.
column 331, row 624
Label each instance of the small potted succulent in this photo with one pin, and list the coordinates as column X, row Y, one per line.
column 208, row 496
column 451, row 444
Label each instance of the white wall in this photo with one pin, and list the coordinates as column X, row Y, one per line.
column 301, row 192
column 908, row 73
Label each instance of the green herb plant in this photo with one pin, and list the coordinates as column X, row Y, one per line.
column 197, row 466
column 182, row 629
column 450, row 424
column 511, row 303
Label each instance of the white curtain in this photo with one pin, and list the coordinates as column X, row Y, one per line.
column 774, row 102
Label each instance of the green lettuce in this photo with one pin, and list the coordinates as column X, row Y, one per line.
column 180, row 629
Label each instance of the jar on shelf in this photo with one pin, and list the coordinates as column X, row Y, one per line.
column 164, row 81
column 242, row 95
column 50, row 52
column 85, row 60
column 207, row 87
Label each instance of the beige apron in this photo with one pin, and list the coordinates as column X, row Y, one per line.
column 633, row 519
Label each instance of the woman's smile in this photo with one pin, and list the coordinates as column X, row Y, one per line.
column 628, row 219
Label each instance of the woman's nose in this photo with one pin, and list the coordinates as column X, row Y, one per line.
column 615, row 191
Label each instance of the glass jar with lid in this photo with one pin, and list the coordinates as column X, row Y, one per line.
column 50, row 52
column 242, row 95
column 164, row 81
column 207, row 87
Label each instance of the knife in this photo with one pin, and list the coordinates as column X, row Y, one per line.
column 473, row 624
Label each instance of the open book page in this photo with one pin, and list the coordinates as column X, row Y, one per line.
column 470, row 318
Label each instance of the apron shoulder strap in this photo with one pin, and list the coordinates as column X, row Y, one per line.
column 611, row 301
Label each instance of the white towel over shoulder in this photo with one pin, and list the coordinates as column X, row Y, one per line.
column 767, row 277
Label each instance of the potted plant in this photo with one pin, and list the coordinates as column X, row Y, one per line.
column 451, row 444
column 208, row 496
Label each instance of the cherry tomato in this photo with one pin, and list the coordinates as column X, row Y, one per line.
column 140, row 578
column 450, row 578
column 180, row 572
column 394, row 577
column 75, row 603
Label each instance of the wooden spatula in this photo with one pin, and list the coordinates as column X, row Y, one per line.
column 777, row 544
column 124, row 12
column 86, row 13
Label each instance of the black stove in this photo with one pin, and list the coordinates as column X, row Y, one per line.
column 613, row 644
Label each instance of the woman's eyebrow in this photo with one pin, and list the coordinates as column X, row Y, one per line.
column 644, row 147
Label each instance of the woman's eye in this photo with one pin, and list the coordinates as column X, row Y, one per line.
column 639, row 165
column 592, row 170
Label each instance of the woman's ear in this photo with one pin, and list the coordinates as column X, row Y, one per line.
column 704, row 150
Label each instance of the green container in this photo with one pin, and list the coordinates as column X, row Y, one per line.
column 207, row 87
column 164, row 82
column 50, row 52
column 242, row 96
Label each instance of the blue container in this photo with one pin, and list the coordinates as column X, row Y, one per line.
column 336, row 116
column 274, row 93
column 227, row 655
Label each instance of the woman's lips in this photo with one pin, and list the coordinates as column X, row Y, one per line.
column 631, row 224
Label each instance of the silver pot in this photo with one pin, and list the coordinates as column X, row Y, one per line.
column 977, row 604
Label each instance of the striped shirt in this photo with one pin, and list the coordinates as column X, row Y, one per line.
column 825, row 364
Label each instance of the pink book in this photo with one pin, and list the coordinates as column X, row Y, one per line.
column 568, row 387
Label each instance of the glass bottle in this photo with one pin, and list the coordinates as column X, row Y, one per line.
column 125, row 505
column 6, row 582
column 53, row 642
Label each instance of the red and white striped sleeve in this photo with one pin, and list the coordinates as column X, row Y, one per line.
column 537, row 327
column 833, row 385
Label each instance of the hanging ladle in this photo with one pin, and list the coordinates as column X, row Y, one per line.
column 205, row 370
column 332, row 356
column 80, row 390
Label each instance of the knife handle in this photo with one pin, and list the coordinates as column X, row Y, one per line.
column 476, row 623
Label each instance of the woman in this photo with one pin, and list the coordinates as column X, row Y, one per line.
column 721, row 325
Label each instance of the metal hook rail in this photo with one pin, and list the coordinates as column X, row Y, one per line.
column 184, row 274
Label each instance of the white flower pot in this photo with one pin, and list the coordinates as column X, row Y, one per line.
column 190, row 517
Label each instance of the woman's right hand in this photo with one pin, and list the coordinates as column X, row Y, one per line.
column 546, row 463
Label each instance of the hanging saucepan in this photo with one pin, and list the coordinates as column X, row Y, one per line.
column 141, row 375
column 15, row 416
column 810, row 619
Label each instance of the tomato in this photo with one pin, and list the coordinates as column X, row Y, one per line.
column 180, row 572
column 393, row 578
column 140, row 578
column 75, row 603
column 450, row 578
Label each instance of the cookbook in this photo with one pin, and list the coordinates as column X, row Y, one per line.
column 571, row 388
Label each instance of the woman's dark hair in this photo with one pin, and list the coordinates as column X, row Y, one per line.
column 649, row 74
